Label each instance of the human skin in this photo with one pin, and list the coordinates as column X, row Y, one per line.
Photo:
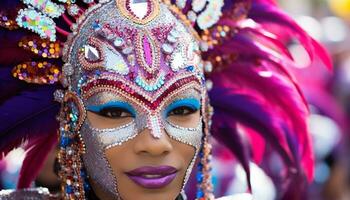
column 145, row 150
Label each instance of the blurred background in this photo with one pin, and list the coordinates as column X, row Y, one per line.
column 328, row 94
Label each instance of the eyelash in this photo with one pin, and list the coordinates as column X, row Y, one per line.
column 108, row 112
column 182, row 108
column 113, row 110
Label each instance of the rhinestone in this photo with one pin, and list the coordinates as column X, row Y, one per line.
column 167, row 48
column 73, row 10
column 91, row 53
column 198, row 5
column 175, row 33
column 177, row 62
column 192, row 16
column 74, row 27
column 127, row 50
column 171, row 39
column 64, row 81
column 88, row 1
column 68, row 69
column 132, row 60
column 139, row 8
column 118, row 42
column 58, row 96
column 110, row 37
column 96, row 26
column 181, row 3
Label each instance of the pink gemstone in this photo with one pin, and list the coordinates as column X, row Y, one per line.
column 147, row 50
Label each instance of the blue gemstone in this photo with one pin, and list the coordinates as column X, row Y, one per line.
column 200, row 194
column 98, row 72
column 200, row 167
column 82, row 173
column 65, row 141
column 96, row 25
column 190, row 68
column 86, row 186
column 201, row 154
column 199, row 177
column 69, row 189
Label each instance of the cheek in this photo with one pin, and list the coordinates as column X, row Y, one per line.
column 119, row 155
column 184, row 151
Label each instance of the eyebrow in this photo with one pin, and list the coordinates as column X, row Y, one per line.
column 115, row 104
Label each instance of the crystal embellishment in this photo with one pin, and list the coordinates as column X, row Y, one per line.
column 118, row 42
column 167, row 48
column 38, row 23
column 91, row 53
column 139, row 8
column 73, row 10
column 139, row 11
column 211, row 14
column 68, row 69
column 47, row 7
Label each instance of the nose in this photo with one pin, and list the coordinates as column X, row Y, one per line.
column 148, row 145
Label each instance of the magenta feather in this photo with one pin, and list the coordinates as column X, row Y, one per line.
column 267, row 14
column 35, row 157
column 26, row 118
column 262, row 72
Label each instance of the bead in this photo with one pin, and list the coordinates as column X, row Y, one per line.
column 58, row 95
column 41, row 24
column 118, row 42
column 68, row 69
column 167, row 48
column 73, row 10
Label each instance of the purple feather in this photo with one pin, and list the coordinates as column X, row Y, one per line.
column 25, row 118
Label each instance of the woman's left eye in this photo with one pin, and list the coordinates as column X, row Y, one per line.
column 114, row 113
column 182, row 111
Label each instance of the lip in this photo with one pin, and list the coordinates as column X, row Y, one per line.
column 153, row 177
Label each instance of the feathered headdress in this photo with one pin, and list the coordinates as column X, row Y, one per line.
column 249, row 83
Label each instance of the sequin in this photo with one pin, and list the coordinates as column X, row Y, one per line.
column 41, row 24
column 211, row 14
column 49, row 8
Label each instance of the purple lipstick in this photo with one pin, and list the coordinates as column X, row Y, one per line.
column 153, row 177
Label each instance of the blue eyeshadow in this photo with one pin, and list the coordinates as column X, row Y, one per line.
column 113, row 104
column 188, row 102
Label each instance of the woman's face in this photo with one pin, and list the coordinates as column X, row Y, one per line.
column 147, row 166
column 143, row 88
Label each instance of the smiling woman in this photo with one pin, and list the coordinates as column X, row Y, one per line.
column 141, row 81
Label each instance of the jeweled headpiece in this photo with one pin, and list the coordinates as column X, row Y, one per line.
column 147, row 51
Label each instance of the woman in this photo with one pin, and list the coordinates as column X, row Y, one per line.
column 135, row 115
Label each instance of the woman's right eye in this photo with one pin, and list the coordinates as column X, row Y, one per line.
column 114, row 113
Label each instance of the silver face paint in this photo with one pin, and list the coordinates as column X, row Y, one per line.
column 98, row 140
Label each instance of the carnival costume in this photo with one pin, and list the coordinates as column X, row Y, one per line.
column 81, row 53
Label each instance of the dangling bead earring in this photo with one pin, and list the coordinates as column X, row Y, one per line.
column 204, row 179
column 74, row 180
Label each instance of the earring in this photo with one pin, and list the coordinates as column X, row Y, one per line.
column 74, row 180
column 204, row 179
